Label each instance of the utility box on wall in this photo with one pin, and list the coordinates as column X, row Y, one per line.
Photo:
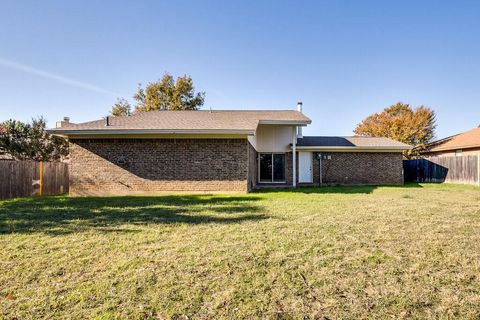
column 321, row 156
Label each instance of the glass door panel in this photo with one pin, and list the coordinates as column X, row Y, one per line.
column 266, row 167
column 278, row 167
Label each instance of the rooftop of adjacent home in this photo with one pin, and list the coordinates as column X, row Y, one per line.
column 464, row 140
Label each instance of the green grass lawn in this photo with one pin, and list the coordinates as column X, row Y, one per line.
column 330, row 253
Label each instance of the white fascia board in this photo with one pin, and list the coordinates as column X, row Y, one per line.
column 353, row 149
column 147, row 131
column 285, row 122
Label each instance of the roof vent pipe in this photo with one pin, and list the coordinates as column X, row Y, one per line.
column 299, row 106
column 299, row 128
column 66, row 119
column 107, row 121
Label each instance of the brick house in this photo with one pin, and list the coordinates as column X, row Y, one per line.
column 228, row 151
column 465, row 143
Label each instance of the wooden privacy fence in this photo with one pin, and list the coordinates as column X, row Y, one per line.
column 464, row 169
column 26, row 178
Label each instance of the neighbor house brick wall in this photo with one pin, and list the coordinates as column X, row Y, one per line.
column 354, row 168
column 125, row 166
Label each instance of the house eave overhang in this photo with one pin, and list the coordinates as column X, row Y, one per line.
column 132, row 132
column 440, row 149
column 285, row 122
column 352, row 149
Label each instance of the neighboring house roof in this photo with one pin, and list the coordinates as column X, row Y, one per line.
column 201, row 121
column 465, row 140
column 350, row 143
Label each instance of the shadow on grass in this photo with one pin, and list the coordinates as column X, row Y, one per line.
column 60, row 215
column 365, row 189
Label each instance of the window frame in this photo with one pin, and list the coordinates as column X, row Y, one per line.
column 273, row 167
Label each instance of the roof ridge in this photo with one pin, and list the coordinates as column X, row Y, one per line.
column 160, row 111
column 225, row 110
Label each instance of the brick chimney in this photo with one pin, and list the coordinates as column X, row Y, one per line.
column 63, row 123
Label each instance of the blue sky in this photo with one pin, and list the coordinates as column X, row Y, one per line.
column 343, row 59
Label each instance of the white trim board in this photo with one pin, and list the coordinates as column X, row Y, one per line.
column 350, row 149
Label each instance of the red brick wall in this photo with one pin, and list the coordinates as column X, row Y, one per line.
column 370, row 168
column 126, row 166
column 355, row 168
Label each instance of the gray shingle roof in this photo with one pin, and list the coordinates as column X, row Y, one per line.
column 190, row 120
column 352, row 142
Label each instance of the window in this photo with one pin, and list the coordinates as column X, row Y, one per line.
column 271, row 167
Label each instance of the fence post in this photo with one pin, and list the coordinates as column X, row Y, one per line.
column 478, row 169
column 41, row 177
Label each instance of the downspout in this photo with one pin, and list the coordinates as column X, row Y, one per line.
column 296, row 133
column 320, row 169
column 294, row 156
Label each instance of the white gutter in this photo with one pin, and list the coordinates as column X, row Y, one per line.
column 286, row 122
column 72, row 132
column 352, row 149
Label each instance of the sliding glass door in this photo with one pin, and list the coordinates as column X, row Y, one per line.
column 272, row 167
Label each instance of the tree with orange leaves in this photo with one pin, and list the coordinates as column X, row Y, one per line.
column 401, row 122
